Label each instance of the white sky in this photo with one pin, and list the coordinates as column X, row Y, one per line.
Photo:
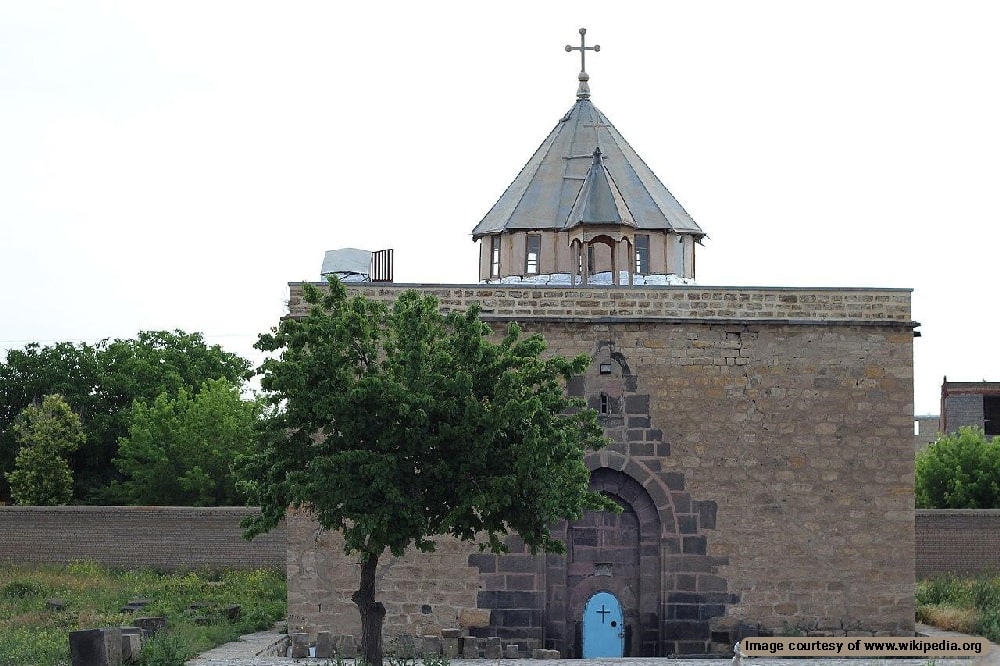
column 175, row 164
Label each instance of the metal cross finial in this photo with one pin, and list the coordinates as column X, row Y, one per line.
column 583, row 92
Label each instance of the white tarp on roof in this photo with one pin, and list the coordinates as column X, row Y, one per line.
column 347, row 260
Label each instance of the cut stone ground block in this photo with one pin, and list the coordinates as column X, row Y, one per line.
column 131, row 645
column 430, row 645
column 449, row 647
column 300, row 645
column 345, row 646
column 511, row 651
column 324, row 645
column 96, row 647
column 539, row 653
column 150, row 625
column 470, row 647
column 493, row 649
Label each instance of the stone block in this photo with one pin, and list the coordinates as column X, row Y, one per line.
column 470, row 646
column 324, row 645
column 150, row 625
column 131, row 645
column 430, row 645
column 451, row 633
column 404, row 646
column 300, row 645
column 539, row 653
column 493, row 649
column 55, row 604
column 511, row 651
column 96, row 647
column 346, row 647
column 474, row 617
column 449, row 647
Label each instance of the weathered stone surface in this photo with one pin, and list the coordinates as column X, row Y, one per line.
column 430, row 645
column 150, row 625
column 449, row 647
column 744, row 422
column 346, row 647
column 474, row 617
column 324, row 645
column 511, row 651
column 471, row 647
column 131, row 645
column 96, row 647
column 451, row 633
column 300, row 645
column 55, row 604
column 493, row 649
column 539, row 653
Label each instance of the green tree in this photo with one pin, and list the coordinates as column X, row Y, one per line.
column 47, row 434
column 959, row 471
column 180, row 447
column 100, row 382
column 394, row 425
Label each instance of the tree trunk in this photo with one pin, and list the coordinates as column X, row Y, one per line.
column 372, row 612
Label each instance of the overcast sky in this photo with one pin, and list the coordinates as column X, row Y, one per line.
column 175, row 164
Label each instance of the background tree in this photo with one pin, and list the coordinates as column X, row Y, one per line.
column 959, row 471
column 396, row 425
column 180, row 447
column 47, row 434
column 100, row 382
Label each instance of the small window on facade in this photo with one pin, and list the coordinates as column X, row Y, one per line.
column 590, row 259
column 642, row 254
column 494, row 256
column 605, row 403
column 532, row 249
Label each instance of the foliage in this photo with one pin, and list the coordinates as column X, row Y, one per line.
column 47, row 434
column 100, row 382
column 967, row 605
column 394, row 425
column 179, row 448
column 959, row 471
column 32, row 633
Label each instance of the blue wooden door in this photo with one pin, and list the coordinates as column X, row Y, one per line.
column 603, row 628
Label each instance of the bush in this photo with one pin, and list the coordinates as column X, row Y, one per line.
column 960, row 471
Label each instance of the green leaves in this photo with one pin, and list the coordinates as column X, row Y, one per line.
column 47, row 434
column 397, row 424
column 960, row 471
column 100, row 382
column 180, row 447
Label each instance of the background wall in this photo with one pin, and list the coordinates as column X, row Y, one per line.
column 166, row 538
column 957, row 541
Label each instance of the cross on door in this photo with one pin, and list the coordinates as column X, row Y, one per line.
column 602, row 613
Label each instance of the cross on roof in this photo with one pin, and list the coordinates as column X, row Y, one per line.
column 583, row 91
column 583, row 48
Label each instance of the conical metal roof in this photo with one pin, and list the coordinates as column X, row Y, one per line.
column 546, row 192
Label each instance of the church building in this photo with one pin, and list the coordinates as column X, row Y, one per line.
column 762, row 438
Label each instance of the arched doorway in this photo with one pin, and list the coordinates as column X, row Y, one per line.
column 603, row 627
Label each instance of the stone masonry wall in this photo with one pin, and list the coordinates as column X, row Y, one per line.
column 763, row 442
column 654, row 302
column 165, row 538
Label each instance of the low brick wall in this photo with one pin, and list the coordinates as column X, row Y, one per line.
column 957, row 541
column 165, row 538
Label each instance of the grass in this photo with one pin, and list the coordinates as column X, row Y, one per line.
column 34, row 634
column 968, row 605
